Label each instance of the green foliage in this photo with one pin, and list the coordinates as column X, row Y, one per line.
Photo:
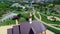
column 3, row 7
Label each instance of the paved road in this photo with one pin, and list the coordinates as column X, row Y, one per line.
column 44, row 22
column 6, row 17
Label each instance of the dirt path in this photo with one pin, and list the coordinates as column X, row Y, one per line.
column 49, row 32
column 3, row 29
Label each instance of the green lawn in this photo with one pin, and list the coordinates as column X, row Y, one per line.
column 8, row 22
column 53, row 30
column 44, row 18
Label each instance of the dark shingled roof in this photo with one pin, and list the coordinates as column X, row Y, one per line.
column 36, row 26
column 25, row 27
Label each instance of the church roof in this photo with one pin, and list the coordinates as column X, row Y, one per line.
column 26, row 28
column 36, row 26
